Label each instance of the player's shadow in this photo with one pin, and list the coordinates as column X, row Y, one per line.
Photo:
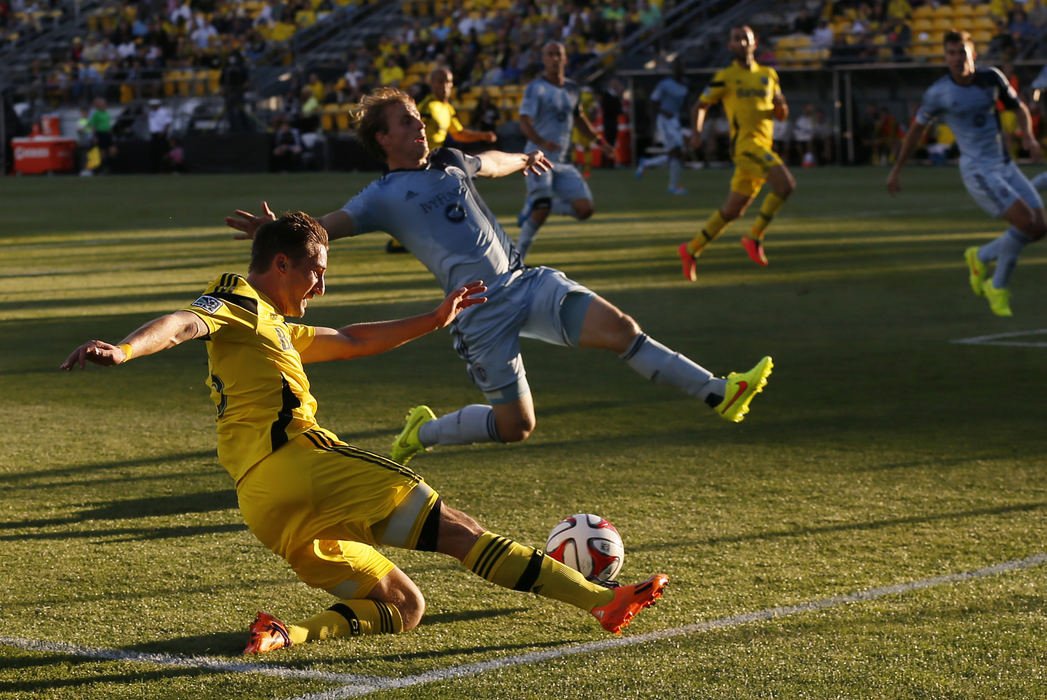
column 134, row 509
column 65, row 687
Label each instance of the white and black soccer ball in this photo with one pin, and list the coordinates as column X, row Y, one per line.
column 589, row 544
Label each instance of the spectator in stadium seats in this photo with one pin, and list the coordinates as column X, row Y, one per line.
column 429, row 202
column 822, row 37
column 899, row 10
column 309, row 112
column 1002, row 46
column 899, row 37
column 1036, row 10
column 486, row 114
column 287, row 148
column 233, row 81
column 1021, row 29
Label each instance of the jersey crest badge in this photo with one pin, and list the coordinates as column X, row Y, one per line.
column 208, row 304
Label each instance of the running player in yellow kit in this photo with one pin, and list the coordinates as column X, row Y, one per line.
column 751, row 96
column 319, row 503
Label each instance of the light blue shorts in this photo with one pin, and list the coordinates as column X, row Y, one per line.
column 488, row 339
column 995, row 189
column 563, row 182
column 671, row 131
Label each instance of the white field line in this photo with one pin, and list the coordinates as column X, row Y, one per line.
column 1003, row 339
column 452, row 672
column 353, row 685
column 203, row 662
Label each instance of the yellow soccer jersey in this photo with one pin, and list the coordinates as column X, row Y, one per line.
column 748, row 98
column 439, row 117
column 256, row 377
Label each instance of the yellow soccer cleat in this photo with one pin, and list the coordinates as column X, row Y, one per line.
column 267, row 634
column 977, row 269
column 741, row 388
column 999, row 299
column 629, row 600
column 407, row 444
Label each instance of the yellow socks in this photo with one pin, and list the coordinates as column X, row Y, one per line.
column 771, row 204
column 509, row 564
column 349, row 618
column 713, row 227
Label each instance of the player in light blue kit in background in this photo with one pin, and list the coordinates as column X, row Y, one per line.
column 429, row 203
column 670, row 96
column 548, row 112
column 966, row 100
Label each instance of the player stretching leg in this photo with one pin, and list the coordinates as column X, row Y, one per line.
column 430, row 203
column 321, row 504
column 966, row 99
column 751, row 93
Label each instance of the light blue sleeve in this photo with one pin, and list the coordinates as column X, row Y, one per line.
column 931, row 106
column 360, row 208
column 529, row 103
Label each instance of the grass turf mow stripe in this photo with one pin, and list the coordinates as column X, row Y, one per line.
column 357, row 685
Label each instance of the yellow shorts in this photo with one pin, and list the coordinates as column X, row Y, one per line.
column 321, row 504
column 751, row 164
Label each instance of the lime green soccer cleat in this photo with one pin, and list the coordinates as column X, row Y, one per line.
column 741, row 388
column 977, row 269
column 407, row 444
column 999, row 299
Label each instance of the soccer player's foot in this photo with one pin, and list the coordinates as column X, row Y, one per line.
column 394, row 246
column 976, row 269
column 629, row 600
column 999, row 299
column 639, row 171
column 677, row 190
column 407, row 444
column 741, row 388
column 267, row 634
column 754, row 248
column 690, row 264
column 525, row 213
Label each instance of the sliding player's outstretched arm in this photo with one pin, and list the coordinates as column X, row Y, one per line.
column 362, row 339
column 500, row 164
column 159, row 334
column 338, row 223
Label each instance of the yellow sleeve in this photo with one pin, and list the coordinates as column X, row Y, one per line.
column 301, row 335
column 214, row 312
column 715, row 90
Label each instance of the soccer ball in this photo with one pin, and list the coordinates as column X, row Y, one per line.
column 588, row 543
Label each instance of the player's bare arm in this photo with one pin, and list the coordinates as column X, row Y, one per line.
column 159, row 334
column 582, row 123
column 362, row 339
column 527, row 127
column 1029, row 141
column 698, row 113
column 781, row 107
column 500, row 164
column 338, row 223
column 912, row 139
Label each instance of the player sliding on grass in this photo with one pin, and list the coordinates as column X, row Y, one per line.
column 429, row 203
column 966, row 100
column 321, row 504
column 751, row 96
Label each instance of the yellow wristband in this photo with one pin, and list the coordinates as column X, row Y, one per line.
column 128, row 350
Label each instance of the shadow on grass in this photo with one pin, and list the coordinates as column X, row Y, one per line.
column 202, row 502
column 150, row 460
column 847, row 527
column 65, row 687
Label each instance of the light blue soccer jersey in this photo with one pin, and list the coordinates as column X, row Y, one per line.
column 970, row 112
column 438, row 215
column 552, row 110
column 670, row 96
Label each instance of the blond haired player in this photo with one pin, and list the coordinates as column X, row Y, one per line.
column 319, row 503
column 751, row 96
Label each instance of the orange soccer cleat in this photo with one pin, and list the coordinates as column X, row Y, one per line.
column 267, row 634
column 629, row 600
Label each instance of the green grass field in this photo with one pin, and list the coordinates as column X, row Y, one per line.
column 838, row 543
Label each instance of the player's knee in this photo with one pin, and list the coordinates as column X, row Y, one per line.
column 785, row 188
column 583, row 209
column 411, row 608
column 516, row 430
